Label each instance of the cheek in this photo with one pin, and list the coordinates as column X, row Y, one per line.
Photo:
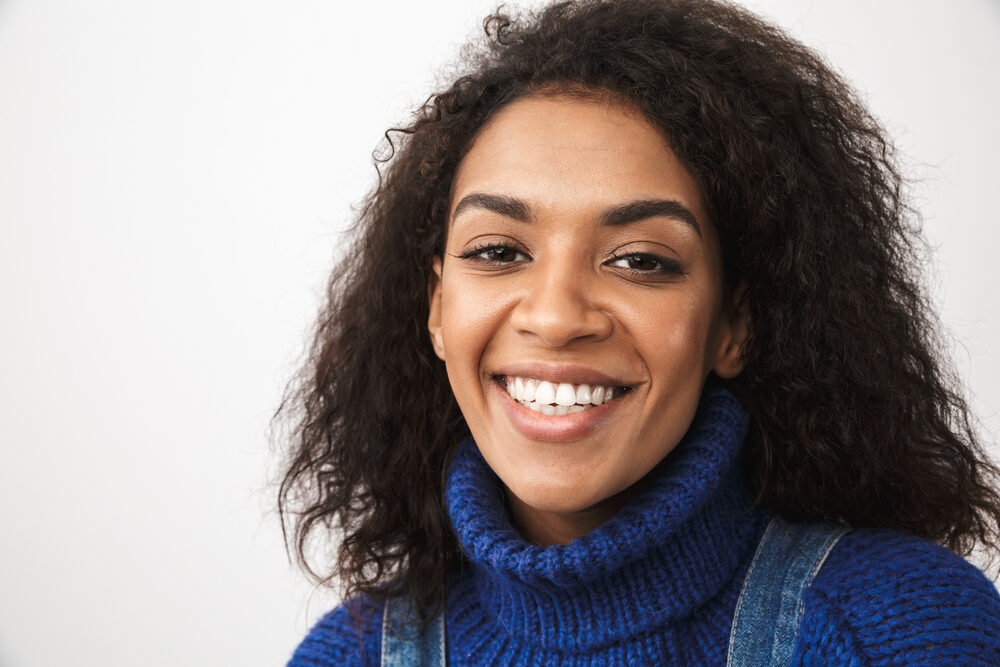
column 471, row 316
column 675, row 333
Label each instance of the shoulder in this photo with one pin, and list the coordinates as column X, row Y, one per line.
column 347, row 635
column 885, row 597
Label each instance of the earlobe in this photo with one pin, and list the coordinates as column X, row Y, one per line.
column 729, row 363
column 434, row 313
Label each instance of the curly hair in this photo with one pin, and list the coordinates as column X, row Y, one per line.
column 856, row 417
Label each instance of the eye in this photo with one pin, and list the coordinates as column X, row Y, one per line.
column 646, row 263
column 495, row 253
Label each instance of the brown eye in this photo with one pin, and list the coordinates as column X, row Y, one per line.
column 495, row 253
column 645, row 263
column 500, row 254
column 642, row 263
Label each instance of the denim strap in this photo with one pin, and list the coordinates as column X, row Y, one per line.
column 403, row 645
column 769, row 609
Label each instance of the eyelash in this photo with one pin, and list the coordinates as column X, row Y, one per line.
column 475, row 253
column 667, row 267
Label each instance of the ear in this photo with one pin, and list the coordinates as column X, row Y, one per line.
column 434, row 314
column 736, row 329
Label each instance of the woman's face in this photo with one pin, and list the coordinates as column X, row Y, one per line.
column 580, row 264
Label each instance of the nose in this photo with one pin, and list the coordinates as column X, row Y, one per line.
column 559, row 306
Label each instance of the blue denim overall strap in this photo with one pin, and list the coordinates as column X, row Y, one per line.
column 403, row 645
column 769, row 609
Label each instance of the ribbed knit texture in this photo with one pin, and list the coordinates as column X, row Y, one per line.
column 658, row 583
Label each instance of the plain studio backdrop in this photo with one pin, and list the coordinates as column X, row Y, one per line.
column 174, row 177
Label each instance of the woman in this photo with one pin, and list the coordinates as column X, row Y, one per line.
column 631, row 344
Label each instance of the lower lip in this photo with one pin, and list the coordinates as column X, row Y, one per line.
column 556, row 428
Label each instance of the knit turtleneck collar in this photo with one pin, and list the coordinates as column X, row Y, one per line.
column 659, row 559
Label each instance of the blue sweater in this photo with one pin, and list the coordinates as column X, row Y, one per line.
column 658, row 583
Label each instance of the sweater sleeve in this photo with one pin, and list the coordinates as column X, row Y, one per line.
column 886, row 598
column 351, row 634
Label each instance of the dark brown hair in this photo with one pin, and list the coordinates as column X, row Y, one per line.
column 856, row 418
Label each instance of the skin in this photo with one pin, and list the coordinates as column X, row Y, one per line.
column 641, row 302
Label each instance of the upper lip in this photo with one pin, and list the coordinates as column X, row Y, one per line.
column 570, row 373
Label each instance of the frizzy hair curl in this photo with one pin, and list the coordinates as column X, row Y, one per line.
column 856, row 418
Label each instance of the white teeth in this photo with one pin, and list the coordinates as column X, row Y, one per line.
column 552, row 398
column 545, row 393
column 565, row 394
column 529, row 390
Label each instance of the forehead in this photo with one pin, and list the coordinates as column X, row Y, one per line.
column 560, row 152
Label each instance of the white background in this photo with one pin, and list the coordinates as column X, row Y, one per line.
column 173, row 176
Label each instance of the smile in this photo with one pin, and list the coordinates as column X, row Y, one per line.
column 557, row 398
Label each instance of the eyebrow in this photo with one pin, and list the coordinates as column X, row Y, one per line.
column 623, row 214
column 509, row 207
